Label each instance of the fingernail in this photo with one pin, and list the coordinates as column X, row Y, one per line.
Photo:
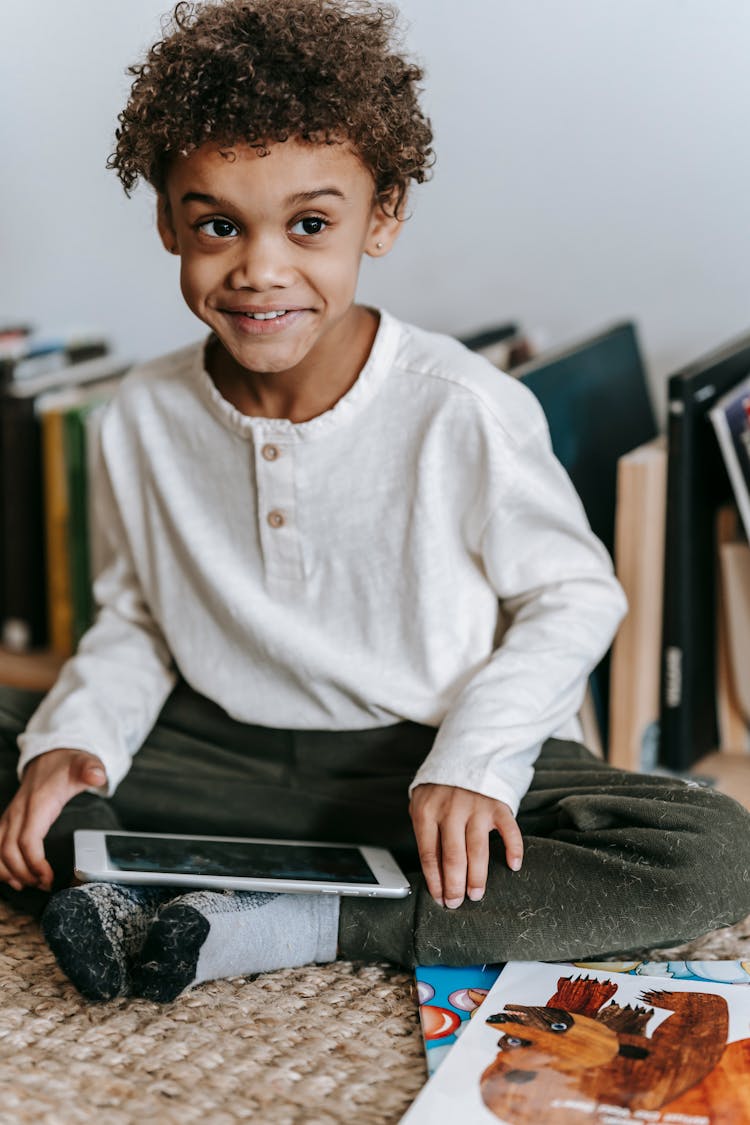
column 15, row 884
column 440, row 901
column 475, row 893
column 515, row 865
column 453, row 903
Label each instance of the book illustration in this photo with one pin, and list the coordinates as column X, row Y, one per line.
column 582, row 1044
column 732, row 629
column 735, row 577
column 449, row 997
column 555, row 1045
column 731, row 419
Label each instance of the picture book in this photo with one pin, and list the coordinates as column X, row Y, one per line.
column 596, row 398
column 640, row 522
column 731, row 420
column 564, row 1045
column 448, row 996
column 697, row 486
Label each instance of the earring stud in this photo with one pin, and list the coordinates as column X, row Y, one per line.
column 378, row 245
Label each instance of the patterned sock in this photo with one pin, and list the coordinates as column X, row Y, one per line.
column 206, row 935
column 96, row 930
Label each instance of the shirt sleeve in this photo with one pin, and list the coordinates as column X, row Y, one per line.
column 562, row 603
column 108, row 696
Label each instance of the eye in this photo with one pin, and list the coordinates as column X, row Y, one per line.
column 515, row 1041
column 218, row 228
column 558, row 1027
column 311, row 224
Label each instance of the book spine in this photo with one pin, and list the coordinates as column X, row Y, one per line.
column 639, row 562
column 78, row 540
column 24, row 598
column 671, row 694
column 57, row 515
column 697, row 485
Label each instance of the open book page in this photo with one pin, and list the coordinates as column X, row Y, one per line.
column 449, row 996
column 562, row 1045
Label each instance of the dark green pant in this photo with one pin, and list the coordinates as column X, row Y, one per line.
column 614, row 861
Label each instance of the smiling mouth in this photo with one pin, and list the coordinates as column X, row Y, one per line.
column 265, row 315
column 262, row 322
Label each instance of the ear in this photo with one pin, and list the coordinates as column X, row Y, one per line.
column 165, row 224
column 384, row 229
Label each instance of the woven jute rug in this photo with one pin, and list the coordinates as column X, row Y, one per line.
column 317, row 1046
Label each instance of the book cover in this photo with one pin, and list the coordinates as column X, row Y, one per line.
column 735, row 570
column 596, row 399
column 92, row 424
column 734, row 728
column 731, row 421
column 80, row 528
column 22, row 543
column 65, row 478
column 23, row 598
column 559, row 1045
column 639, row 565
column 56, row 538
column 697, row 485
column 450, row 996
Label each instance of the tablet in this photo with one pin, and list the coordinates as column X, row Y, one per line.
column 237, row 864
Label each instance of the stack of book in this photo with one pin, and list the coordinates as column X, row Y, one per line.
column 51, row 396
column 680, row 686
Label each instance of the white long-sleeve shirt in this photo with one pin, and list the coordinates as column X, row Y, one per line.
column 416, row 552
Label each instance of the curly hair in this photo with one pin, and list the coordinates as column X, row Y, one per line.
column 261, row 71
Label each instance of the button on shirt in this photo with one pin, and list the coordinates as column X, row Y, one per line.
column 416, row 552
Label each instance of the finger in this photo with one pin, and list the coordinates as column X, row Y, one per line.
column 453, row 862
column 478, row 854
column 428, row 845
column 513, row 840
column 6, row 875
column 40, row 815
column 89, row 771
column 11, row 855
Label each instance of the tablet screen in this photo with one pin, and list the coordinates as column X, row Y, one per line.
column 241, row 859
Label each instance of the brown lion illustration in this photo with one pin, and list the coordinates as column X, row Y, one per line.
column 554, row 1061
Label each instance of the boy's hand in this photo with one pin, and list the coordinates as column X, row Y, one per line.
column 452, row 828
column 48, row 783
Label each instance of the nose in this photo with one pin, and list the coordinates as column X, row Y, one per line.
column 261, row 262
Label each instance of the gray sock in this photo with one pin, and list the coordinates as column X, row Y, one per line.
column 95, row 931
column 207, row 935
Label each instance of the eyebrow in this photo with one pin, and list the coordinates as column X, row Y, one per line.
column 298, row 197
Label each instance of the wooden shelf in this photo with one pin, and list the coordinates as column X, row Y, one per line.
column 36, row 671
column 729, row 772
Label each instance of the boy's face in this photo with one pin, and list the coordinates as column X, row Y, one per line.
column 271, row 246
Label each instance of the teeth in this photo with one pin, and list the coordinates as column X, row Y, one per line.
column 267, row 315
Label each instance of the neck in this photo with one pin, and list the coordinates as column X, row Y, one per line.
column 305, row 391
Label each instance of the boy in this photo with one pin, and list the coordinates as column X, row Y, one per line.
column 348, row 545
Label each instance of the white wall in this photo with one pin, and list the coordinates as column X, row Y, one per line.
column 593, row 160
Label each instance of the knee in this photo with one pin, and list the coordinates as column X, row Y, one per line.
column 720, row 825
column 711, row 854
column 17, row 705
